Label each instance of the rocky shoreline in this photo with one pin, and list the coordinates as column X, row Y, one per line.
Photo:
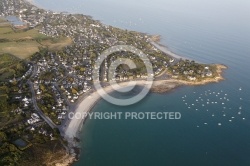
column 164, row 86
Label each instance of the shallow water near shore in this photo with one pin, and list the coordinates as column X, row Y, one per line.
column 214, row 134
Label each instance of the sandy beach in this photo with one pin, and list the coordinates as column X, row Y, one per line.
column 72, row 129
column 74, row 125
column 87, row 102
column 165, row 50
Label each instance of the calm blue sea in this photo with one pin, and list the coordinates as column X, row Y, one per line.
column 215, row 126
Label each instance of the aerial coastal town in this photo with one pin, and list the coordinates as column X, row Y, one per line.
column 39, row 90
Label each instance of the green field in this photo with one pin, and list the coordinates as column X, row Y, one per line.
column 24, row 43
column 20, row 49
column 8, row 66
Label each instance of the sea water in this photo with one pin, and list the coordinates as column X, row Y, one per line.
column 215, row 125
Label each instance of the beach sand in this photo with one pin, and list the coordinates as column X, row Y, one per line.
column 72, row 130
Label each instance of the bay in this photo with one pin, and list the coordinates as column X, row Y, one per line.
column 206, row 31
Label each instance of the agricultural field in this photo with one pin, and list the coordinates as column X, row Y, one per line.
column 24, row 43
column 21, row 50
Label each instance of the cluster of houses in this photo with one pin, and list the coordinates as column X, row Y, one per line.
column 26, row 102
column 28, row 73
column 20, row 8
column 72, row 73
column 34, row 119
column 61, row 107
column 43, row 132
column 65, row 81
column 191, row 71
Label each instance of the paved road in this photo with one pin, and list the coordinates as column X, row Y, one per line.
column 39, row 111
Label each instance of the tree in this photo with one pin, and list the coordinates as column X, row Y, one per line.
column 3, row 137
column 74, row 91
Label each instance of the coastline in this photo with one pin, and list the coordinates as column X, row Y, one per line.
column 89, row 100
column 74, row 126
column 86, row 105
column 159, row 86
column 216, row 79
column 165, row 50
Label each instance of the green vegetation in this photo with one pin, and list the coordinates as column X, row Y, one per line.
column 190, row 70
column 11, row 67
column 39, row 148
column 47, row 101
column 20, row 49
column 56, row 44
column 24, row 43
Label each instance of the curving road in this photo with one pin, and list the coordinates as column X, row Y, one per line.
column 39, row 111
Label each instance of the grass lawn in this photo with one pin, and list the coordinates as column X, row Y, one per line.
column 24, row 43
column 5, row 29
column 22, row 50
column 21, row 35
column 57, row 44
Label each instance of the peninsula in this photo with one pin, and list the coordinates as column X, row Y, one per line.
column 46, row 67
